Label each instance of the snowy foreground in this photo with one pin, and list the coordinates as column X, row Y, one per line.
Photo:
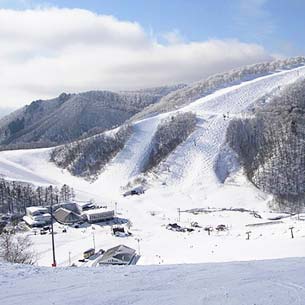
column 274, row 282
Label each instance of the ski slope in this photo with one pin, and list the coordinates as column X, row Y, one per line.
column 274, row 282
column 202, row 172
column 191, row 165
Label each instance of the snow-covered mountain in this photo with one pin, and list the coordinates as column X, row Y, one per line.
column 192, row 92
column 71, row 116
column 202, row 160
column 200, row 173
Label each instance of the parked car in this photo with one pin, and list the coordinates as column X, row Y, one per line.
column 221, row 228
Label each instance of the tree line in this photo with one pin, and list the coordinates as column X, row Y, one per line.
column 87, row 158
column 16, row 196
column 169, row 134
column 271, row 147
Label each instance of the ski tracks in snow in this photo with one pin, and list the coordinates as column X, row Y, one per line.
column 193, row 162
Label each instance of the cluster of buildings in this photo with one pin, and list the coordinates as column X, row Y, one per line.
column 67, row 214
column 37, row 217
column 80, row 212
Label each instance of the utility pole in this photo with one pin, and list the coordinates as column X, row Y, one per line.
column 69, row 258
column 248, row 235
column 93, row 237
column 291, row 230
column 52, row 229
column 179, row 212
column 138, row 240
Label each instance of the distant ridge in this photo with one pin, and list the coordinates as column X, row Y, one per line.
column 68, row 117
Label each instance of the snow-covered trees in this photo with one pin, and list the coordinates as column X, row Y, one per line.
column 202, row 88
column 16, row 249
column 170, row 133
column 69, row 117
column 86, row 158
column 16, row 196
column 271, row 146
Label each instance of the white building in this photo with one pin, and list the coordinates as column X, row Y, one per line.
column 98, row 215
column 83, row 206
column 37, row 216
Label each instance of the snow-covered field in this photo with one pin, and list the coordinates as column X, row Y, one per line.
column 276, row 282
column 158, row 245
column 186, row 180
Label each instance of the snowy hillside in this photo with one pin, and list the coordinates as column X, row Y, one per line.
column 276, row 282
column 201, row 161
column 192, row 92
column 46, row 123
column 201, row 173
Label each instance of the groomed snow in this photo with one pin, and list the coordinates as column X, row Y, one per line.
column 188, row 181
column 274, row 282
column 191, row 165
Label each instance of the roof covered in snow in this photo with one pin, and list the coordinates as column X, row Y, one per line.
column 63, row 215
column 37, row 209
column 121, row 253
column 97, row 211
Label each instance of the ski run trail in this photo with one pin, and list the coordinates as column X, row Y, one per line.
column 191, row 165
column 201, row 173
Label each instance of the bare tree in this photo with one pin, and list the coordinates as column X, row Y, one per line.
column 88, row 157
column 271, row 147
column 170, row 133
column 17, row 249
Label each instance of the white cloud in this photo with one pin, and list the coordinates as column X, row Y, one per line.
column 44, row 52
column 173, row 37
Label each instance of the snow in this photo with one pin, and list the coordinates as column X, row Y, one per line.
column 96, row 211
column 157, row 245
column 34, row 210
column 274, row 282
column 191, row 177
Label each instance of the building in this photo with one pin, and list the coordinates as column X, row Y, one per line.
column 37, row 217
column 98, row 215
column 71, row 206
column 119, row 255
column 138, row 190
column 83, row 206
column 66, row 217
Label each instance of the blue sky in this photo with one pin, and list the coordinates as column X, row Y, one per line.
column 278, row 25
column 72, row 46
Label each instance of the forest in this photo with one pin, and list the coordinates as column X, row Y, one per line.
column 87, row 158
column 207, row 86
column 16, row 196
column 271, row 146
column 170, row 133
